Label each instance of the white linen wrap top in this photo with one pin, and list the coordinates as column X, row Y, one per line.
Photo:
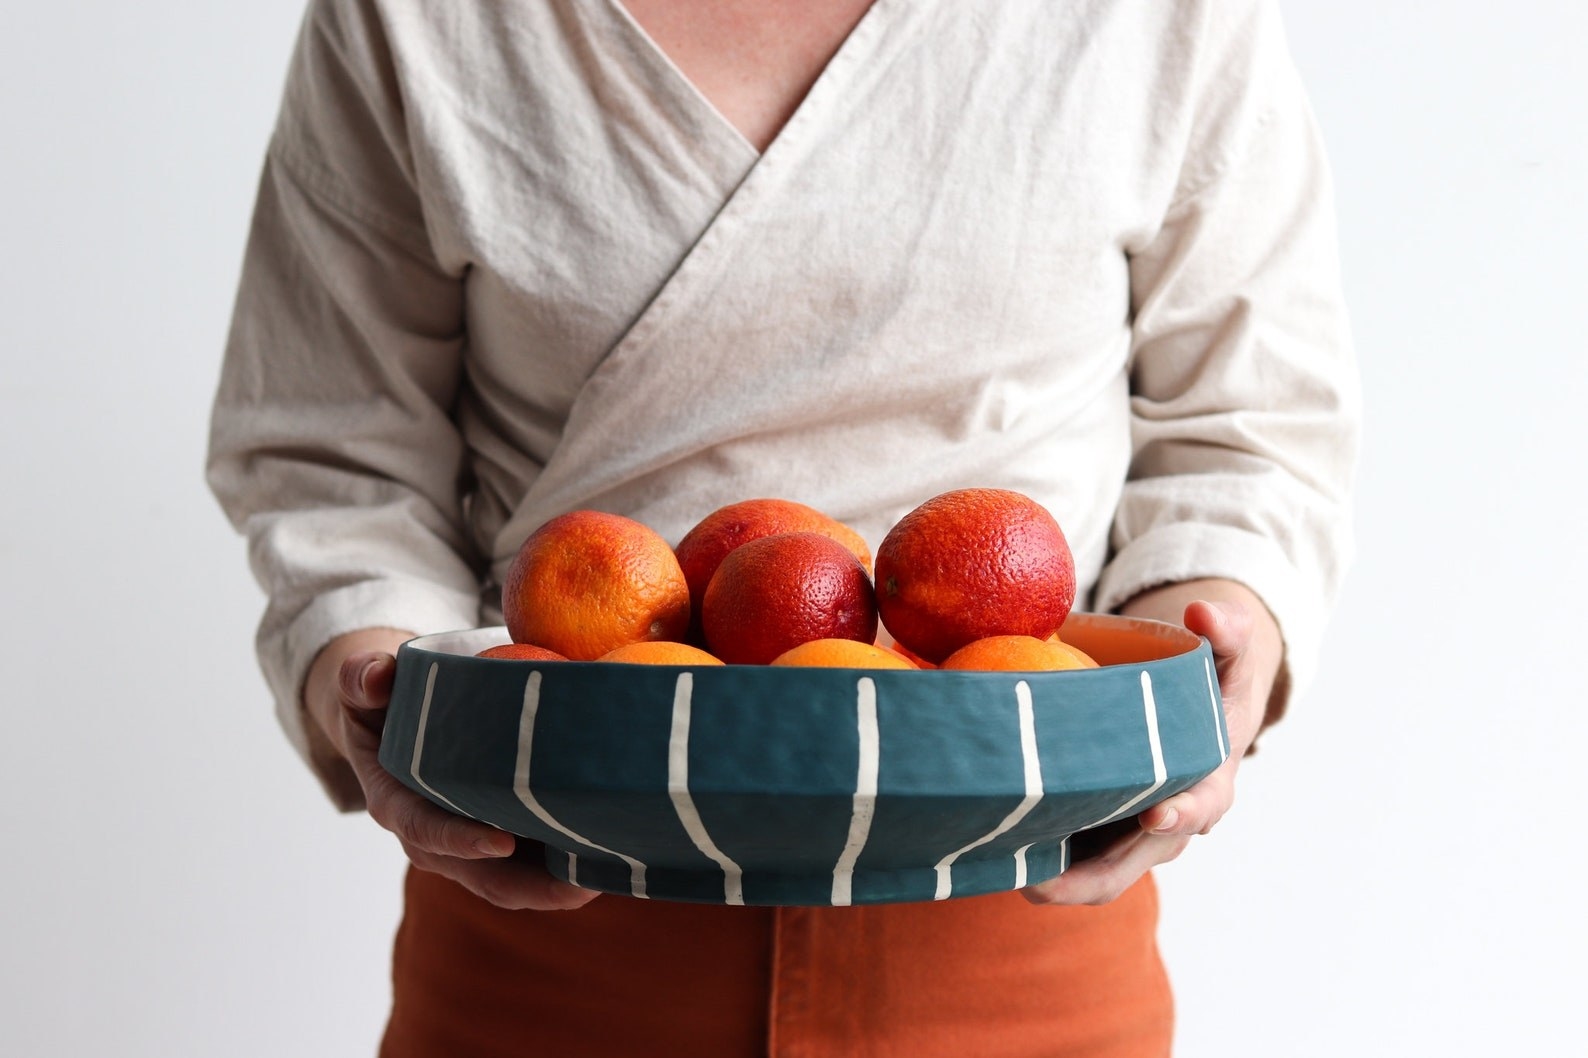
column 507, row 262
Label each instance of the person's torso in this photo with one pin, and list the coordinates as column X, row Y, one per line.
column 922, row 284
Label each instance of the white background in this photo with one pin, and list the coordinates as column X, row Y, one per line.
column 1401, row 876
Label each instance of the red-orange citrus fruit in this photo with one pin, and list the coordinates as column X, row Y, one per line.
column 911, row 656
column 773, row 594
column 973, row 563
column 1086, row 659
column 842, row 654
column 704, row 547
column 520, row 652
column 659, row 652
column 587, row 582
column 1015, row 654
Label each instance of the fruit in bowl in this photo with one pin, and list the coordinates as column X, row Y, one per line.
column 970, row 564
column 757, row 578
column 588, row 582
column 703, row 548
column 777, row 592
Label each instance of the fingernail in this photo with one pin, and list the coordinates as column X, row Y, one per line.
column 352, row 679
column 1170, row 818
column 366, row 673
column 494, row 846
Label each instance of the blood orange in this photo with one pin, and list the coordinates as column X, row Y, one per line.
column 973, row 563
column 773, row 594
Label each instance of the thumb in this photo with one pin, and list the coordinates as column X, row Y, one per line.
column 365, row 683
column 1227, row 626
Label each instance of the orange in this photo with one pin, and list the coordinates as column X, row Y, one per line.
column 704, row 547
column 1086, row 659
column 842, row 654
column 911, row 656
column 658, row 652
column 973, row 563
column 587, row 582
column 1015, row 654
column 520, row 652
column 773, row 594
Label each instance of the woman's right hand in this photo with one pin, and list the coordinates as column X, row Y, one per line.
column 346, row 694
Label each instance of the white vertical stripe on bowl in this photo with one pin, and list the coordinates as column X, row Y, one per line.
column 1218, row 713
column 1020, row 865
column 865, row 801
column 419, row 740
column 1033, row 779
column 526, row 739
column 1154, row 744
column 683, row 804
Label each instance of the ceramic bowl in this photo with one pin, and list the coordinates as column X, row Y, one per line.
column 764, row 785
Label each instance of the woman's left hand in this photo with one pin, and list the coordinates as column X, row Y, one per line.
column 1247, row 651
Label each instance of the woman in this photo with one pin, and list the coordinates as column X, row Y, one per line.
column 510, row 260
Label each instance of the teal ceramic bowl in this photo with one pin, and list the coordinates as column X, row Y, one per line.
column 747, row 784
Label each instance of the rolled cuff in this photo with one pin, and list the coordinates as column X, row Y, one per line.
column 287, row 650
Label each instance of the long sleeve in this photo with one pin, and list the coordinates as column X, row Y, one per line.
column 332, row 445
column 1245, row 411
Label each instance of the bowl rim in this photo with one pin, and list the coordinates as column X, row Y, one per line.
column 1164, row 639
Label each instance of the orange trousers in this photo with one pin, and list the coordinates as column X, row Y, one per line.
column 976, row 977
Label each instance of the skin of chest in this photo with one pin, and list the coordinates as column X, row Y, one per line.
column 753, row 60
